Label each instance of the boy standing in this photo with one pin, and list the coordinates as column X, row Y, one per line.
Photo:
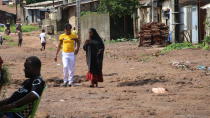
column 43, row 40
column 68, row 41
column 20, row 38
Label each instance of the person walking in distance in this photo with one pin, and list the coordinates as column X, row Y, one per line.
column 20, row 38
column 43, row 40
column 70, row 47
column 1, row 39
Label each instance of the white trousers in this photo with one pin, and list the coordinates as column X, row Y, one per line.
column 68, row 67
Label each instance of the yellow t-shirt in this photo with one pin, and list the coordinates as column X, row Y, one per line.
column 68, row 43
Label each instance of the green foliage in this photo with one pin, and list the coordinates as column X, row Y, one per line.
column 25, row 28
column 12, row 43
column 5, row 37
column 118, row 8
column 29, row 28
column 51, row 49
column 177, row 46
column 206, row 42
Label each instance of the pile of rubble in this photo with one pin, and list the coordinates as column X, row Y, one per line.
column 153, row 33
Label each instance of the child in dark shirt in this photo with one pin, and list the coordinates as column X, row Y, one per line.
column 30, row 91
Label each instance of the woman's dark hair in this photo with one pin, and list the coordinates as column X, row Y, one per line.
column 95, row 35
column 68, row 26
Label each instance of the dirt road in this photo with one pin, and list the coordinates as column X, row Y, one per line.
column 130, row 74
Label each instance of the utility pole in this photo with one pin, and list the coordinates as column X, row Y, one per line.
column 16, row 6
column 78, row 10
column 152, row 10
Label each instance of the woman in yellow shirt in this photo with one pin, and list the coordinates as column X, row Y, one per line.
column 69, row 50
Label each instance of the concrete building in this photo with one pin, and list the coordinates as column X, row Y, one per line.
column 207, row 22
column 158, row 11
column 35, row 13
column 55, row 14
column 191, row 17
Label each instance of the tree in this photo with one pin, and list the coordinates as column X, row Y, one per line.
column 118, row 8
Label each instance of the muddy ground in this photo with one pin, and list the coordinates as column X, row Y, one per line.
column 130, row 73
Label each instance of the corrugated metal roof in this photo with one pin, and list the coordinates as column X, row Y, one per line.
column 206, row 6
column 48, row 4
column 74, row 3
column 43, row 3
column 182, row 2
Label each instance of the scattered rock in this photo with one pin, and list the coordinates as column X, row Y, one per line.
column 62, row 100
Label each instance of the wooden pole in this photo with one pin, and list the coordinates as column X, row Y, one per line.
column 78, row 10
column 152, row 10
column 16, row 9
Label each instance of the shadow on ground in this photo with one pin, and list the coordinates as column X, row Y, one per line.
column 57, row 81
column 109, row 75
column 142, row 82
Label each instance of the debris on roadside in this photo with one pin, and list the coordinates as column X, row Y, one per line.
column 159, row 90
column 182, row 65
column 201, row 67
column 62, row 100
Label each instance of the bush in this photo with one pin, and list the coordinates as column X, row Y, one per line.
column 206, row 42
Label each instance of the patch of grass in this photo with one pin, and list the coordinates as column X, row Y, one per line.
column 29, row 28
column 25, row 28
column 5, row 37
column 178, row 46
column 206, row 43
column 51, row 49
column 12, row 43
column 145, row 59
